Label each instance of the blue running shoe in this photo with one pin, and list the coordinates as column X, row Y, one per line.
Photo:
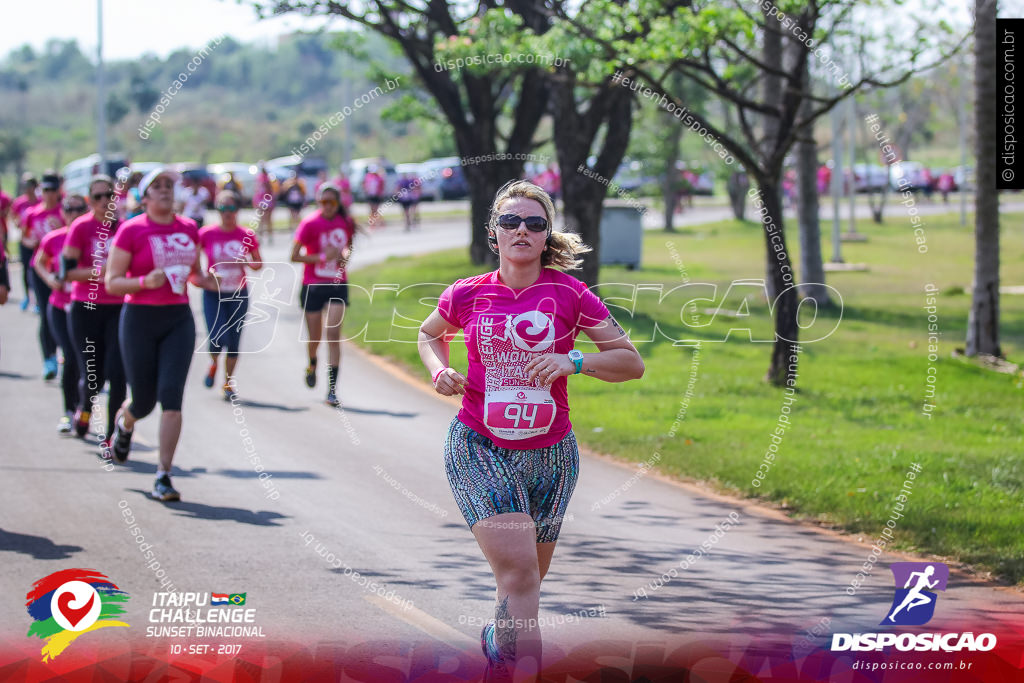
column 496, row 669
column 50, row 368
column 24, row 304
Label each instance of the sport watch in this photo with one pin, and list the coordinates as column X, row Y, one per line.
column 577, row 358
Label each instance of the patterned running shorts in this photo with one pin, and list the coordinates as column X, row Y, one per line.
column 488, row 480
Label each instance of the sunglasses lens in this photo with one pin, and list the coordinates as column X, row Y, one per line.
column 102, row 195
column 227, row 208
column 510, row 221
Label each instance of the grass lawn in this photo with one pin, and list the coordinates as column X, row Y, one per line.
column 856, row 425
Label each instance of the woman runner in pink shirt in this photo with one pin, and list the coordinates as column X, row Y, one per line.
column 39, row 220
column 47, row 265
column 95, row 312
column 510, row 456
column 152, row 258
column 323, row 243
column 229, row 250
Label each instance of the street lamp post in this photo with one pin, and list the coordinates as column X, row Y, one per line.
column 101, row 114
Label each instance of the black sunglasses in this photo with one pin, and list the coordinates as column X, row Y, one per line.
column 102, row 195
column 510, row 221
column 75, row 209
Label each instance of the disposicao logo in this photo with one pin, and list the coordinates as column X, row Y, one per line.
column 913, row 604
column 70, row 603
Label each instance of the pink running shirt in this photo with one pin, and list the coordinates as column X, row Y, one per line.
column 172, row 247
column 227, row 253
column 505, row 329
column 316, row 232
column 51, row 246
column 92, row 238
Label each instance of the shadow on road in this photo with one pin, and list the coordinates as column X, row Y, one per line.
column 12, row 375
column 253, row 474
column 368, row 411
column 246, row 403
column 39, row 547
column 212, row 512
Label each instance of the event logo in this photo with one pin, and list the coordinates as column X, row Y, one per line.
column 530, row 331
column 70, row 603
column 914, row 605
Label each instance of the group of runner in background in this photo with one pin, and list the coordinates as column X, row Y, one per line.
column 109, row 274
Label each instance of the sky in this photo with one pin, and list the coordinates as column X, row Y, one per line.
column 134, row 27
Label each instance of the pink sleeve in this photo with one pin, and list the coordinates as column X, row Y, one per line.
column 302, row 232
column 447, row 308
column 74, row 237
column 592, row 309
column 124, row 239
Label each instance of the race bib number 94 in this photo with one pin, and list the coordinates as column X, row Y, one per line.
column 520, row 413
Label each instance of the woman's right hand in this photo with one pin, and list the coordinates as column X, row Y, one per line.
column 155, row 279
column 450, row 382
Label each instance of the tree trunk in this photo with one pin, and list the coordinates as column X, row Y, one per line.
column 482, row 188
column 983, row 319
column 738, row 186
column 670, row 181
column 574, row 136
column 812, row 269
column 781, row 290
column 878, row 210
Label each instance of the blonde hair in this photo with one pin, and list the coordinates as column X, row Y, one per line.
column 562, row 247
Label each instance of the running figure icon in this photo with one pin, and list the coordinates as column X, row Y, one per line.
column 915, row 597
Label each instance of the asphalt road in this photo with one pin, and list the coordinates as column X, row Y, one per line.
column 366, row 486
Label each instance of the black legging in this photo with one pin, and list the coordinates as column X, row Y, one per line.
column 58, row 321
column 46, row 341
column 93, row 330
column 156, row 346
column 25, row 254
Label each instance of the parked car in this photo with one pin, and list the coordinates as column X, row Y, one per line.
column 308, row 169
column 432, row 173
column 963, row 176
column 198, row 173
column 77, row 173
column 453, row 183
column 245, row 175
column 913, row 173
column 870, row 177
column 357, row 171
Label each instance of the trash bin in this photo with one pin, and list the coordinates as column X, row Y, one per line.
column 621, row 236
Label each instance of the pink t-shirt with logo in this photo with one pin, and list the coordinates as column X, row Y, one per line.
column 20, row 207
column 227, row 253
column 172, row 248
column 315, row 233
column 92, row 238
column 505, row 329
column 39, row 220
column 5, row 205
column 52, row 245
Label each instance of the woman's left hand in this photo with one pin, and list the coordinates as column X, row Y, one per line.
column 548, row 368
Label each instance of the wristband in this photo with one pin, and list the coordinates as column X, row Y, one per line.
column 142, row 282
column 323, row 259
column 437, row 374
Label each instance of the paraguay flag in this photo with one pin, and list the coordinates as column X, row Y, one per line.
column 69, row 603
column 218, row 598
